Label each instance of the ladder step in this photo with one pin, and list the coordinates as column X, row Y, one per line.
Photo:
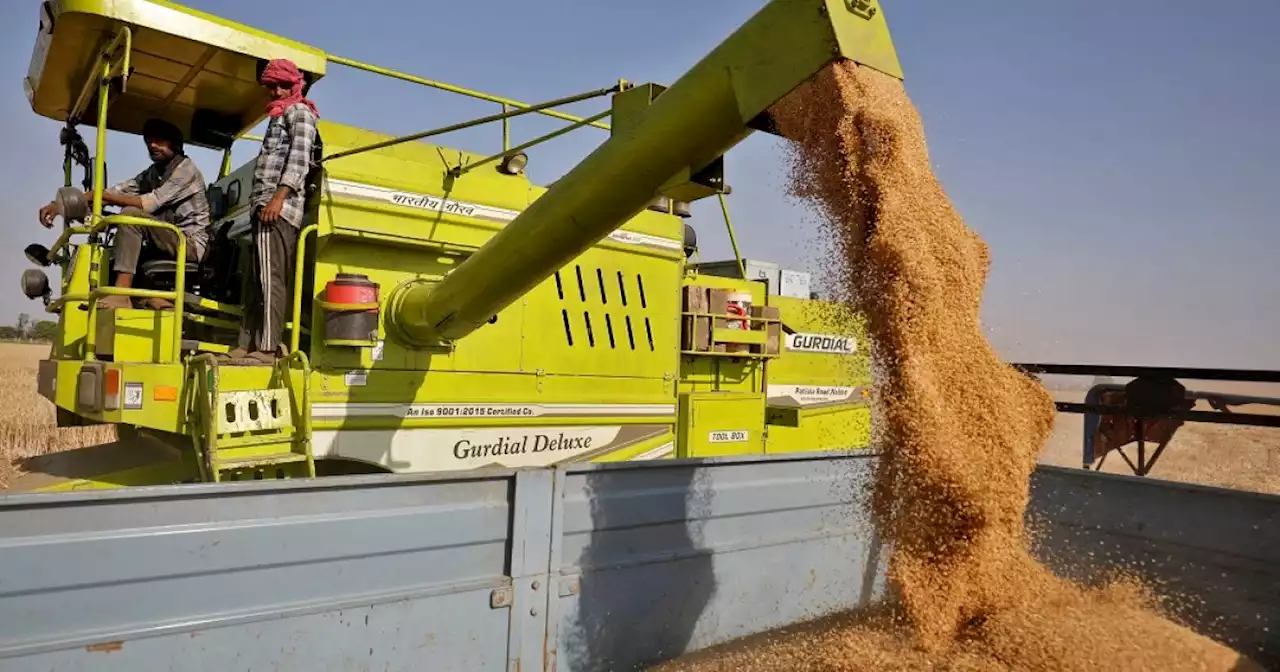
column 261, row 460
column 232, row 442
column 253, row 410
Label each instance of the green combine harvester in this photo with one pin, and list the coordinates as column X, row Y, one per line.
column 514, row 325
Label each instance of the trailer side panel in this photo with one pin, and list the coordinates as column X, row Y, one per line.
column 1214, row 552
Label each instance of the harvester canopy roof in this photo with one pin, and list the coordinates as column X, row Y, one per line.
column 197, row 71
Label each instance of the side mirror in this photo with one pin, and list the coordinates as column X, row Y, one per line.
column 35, row 284
column 217, row 202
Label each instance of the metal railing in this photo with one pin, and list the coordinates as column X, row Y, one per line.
column 118, row 54
column 503, row 116
column 295, row 332
column 506, row 103
column 509, row 109
column 179, row 285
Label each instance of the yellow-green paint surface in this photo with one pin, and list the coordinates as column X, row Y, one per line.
column 715, row 424
column 182, row 60
column 589, row 357
column 817, row 400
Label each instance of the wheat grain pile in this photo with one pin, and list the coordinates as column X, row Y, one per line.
column 959, row 430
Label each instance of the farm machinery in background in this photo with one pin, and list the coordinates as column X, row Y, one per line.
column 1149, row 408
column 494, row 322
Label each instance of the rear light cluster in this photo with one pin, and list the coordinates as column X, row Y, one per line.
column 103, row 388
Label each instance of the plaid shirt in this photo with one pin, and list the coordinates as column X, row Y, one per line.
column 285, row 159
column 174, row 193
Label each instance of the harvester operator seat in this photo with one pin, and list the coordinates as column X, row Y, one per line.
column 221, row 269
column 161, row 274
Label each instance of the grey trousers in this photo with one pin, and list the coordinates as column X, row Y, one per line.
column 126, row 247
column 268, row 284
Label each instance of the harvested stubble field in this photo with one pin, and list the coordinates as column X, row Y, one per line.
column 27, row 421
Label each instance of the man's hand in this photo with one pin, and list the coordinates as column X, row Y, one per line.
column 47, row 213
column 272, row 211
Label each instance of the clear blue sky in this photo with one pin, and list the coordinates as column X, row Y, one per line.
column 1121, row 158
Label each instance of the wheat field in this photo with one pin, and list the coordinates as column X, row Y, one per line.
column 28, row 425
column 1243, row 458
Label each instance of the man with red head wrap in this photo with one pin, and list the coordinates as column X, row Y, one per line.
column 290, row 151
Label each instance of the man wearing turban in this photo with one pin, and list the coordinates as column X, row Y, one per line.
column 289, row 151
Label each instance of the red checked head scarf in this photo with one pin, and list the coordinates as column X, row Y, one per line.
column 283, row 71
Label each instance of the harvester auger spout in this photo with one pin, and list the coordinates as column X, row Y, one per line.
column 664, row 142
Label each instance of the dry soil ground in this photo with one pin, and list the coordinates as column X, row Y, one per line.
column 1246, row 458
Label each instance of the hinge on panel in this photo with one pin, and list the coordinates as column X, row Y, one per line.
column 569, row 586
column 500, row 598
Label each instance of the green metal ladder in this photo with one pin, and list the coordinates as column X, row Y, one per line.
column 251, row 434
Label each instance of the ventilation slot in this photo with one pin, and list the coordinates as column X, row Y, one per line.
column 626, row 298
column 622, row 289
column 568, row 333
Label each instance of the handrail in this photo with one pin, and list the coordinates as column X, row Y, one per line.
column 203, row 402
column 179, row 284
column 61, row 301
column 368, row 67
column 482, row 120
column 295, row 334
column 510, row 108
column 304, row 415
column 65, row 238
column 102, row 69
column 460, row 170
